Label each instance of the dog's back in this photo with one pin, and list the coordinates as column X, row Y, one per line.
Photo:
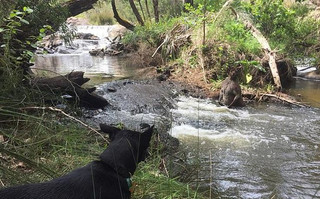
column 94, row 181
column 106, row 178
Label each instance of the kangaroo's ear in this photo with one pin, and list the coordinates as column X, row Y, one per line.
column 111, row 130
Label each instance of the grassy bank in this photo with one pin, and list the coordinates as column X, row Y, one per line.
column 38, row 145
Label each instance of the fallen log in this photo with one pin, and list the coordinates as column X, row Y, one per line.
column 276, row 97
column 282, row 97
column 270, row 54
column 70, row 84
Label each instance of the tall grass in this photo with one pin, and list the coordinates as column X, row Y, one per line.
column 37, row 145
column 101, row 14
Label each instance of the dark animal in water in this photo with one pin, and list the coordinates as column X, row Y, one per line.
column 230, row 93
column 107, row 178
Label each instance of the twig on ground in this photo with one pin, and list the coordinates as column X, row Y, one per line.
column 2, row 184
column 71, row 117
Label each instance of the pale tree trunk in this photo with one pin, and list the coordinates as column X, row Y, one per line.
column 136, row 12
column 263, row 42
column 121, row 21
column 156, row 10
column 267, row 49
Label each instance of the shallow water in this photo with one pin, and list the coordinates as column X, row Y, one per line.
column 77, row 57
column 307, row 91
column 256, row 152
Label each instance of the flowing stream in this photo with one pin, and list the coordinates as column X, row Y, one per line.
column 259, row 151
column 77, row 57
column 262, row 151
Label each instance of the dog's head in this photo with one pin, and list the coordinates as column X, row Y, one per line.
column 127, row 148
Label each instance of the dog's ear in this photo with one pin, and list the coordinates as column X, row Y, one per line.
column 147, row 134
column 111, row 130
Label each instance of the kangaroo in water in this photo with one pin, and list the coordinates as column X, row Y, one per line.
column 230, row 93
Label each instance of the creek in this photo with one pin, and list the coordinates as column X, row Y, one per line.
column 259, row 151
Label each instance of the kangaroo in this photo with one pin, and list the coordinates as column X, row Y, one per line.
column 230, row 93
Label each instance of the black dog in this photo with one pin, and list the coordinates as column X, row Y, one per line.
column 107, row 178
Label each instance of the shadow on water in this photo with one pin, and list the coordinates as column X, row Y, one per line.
column 307, row 91
column 99, row 69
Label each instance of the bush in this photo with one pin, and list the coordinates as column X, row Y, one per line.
column 236, row 33
column 285, row 27
column 150, row 33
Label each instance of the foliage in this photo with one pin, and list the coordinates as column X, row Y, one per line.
column 170, row 8
column 150, row 33
column 16, row 53
column 11, row 56
column 45, row 13
column 150, row 182
column 272, row 17
column 19, row 32
column 101, row 14
column 247, row 67
column 236, row 33
column 284, row 26
column 211, row 5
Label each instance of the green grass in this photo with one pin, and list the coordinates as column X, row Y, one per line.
column 36, row 148
column 152, row 182
column 39, row 145
column 101, row 14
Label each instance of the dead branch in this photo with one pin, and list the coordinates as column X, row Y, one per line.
column 282, row 98
column 69, row 116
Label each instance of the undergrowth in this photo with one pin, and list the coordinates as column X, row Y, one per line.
column 227, row 43
column 38, row 145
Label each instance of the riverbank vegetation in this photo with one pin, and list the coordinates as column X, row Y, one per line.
column 197, row 42
column 221, row 38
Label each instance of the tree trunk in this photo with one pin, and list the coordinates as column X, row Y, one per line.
column 156, row 10
column 121, row 21
column 76, row 7
column 147, row 7
column 136, row 12
column 144, row 17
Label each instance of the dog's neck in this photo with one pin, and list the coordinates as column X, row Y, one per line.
column 122, row 157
